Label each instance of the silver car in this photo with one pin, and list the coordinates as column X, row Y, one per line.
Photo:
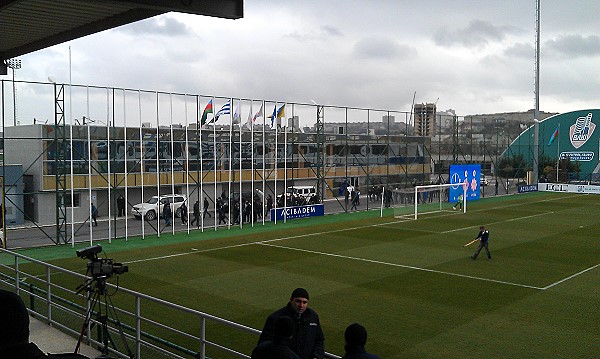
column 153, row 207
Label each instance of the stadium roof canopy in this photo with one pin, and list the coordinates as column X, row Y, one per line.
column 31, row 25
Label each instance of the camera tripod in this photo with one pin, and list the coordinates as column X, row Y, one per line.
column 98, row 297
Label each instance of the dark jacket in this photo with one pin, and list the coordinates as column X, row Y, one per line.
column 357, row 352
column 276, row 349
column 308, row 340
column 24, row 351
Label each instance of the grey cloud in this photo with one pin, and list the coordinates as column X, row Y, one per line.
column 574, row 46
column 477, row 34
column 382, row 48
column 523, row 50
column 164, row 26
column 331, row 31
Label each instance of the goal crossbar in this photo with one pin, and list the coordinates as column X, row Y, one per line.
column 440, row 187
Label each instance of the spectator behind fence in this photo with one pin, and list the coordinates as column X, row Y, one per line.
column 308, row 340
column 14, row 331
column 279, row 347
column 356, row 338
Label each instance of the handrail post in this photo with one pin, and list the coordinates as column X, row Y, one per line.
column 138, row 327
column 203, row 338
column 48, row 295
column 17, row 280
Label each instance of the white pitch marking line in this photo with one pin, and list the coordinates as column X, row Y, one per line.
column 570, row 277
column 403, row 266
column 505, row 221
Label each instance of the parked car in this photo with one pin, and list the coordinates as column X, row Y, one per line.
column 298, row 196
column 153, row 207
column 483, row 180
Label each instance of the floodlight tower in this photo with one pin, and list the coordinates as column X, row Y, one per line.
column 14, row 64
column 536, row 114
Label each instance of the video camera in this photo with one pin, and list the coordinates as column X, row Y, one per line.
column 100, row 267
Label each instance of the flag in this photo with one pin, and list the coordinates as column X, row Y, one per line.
column 225, row 110
column 258, row 114
column 281, row 112
column 277, row 113
column 208, row 109
column 248, row 123
column 554, row 135
column 236, row 119
column 273, row 115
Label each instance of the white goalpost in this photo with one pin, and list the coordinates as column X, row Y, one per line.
column 410, row 203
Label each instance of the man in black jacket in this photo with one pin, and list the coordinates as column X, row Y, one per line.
column 308, row 340
column 483, row 236
column 279, row 347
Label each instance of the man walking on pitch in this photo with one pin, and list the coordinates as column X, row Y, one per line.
column 308, row 340
column 483, row 236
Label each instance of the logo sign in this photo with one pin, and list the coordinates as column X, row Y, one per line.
column 465, row 176
column 577, row 156
column 528, row 188
column 312, row 210
column 581, row 131
column 556, row 187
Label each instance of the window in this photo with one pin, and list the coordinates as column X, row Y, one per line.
column 67, row 200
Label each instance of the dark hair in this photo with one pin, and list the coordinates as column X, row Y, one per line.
column 356, row 334
column 284, row 326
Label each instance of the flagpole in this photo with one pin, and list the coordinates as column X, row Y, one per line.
column 157, row 144
column 263, row 160
column 274, row 122
column 215, row 162
column 558, row 153
column 172, row 161
column 230, row 177
column 125, row 160
column 187, row 165
column 284, row 162
column 142, row 158
column 200, row 155
column 251, row 124
column 239, row 120
column 89, row 146
column 108, row 129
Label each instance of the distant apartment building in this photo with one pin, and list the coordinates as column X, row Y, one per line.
column 425, row 119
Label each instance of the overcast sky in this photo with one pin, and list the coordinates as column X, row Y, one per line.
column 475, row 56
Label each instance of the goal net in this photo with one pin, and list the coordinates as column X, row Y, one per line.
column 413, row 202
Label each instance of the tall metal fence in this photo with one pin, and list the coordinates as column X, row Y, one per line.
column 78, row 145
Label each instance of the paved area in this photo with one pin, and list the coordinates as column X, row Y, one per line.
column 52, row 340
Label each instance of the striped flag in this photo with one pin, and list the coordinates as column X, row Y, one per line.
column 208, row 109
column 225, row 110
column 554, row 135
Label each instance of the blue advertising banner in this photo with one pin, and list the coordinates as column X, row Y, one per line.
column 312, row 210
column 528, row 188
column 465, row 176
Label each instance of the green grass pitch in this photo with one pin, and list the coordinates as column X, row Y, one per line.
column 411, row 283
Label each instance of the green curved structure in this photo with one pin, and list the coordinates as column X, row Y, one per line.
column 573, row 135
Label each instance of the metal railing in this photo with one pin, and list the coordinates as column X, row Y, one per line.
column 153, row 327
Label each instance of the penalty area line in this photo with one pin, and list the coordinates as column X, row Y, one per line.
column 403, row 266
column 570, row 277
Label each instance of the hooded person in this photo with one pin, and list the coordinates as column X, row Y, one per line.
column 14, row 330
column 307, row 341
column 356, row 339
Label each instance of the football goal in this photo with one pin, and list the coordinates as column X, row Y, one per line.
column 411, row 203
